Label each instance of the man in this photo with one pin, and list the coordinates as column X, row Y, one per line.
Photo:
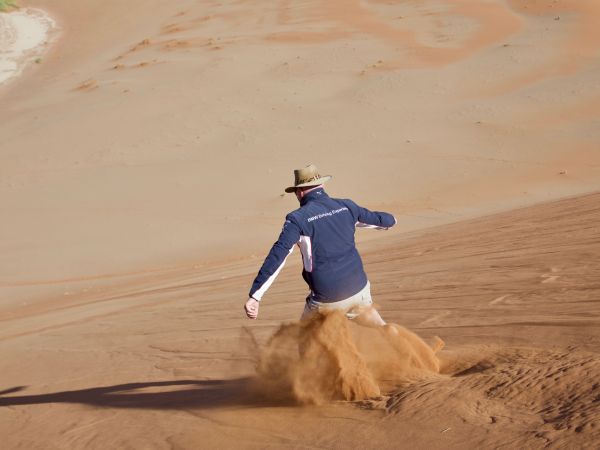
column 323, row 228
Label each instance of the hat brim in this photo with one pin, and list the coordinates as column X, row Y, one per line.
column 316, row 182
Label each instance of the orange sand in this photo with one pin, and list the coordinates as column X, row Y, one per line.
column 141, row 167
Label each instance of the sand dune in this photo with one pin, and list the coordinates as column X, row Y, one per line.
column 171, row 363
column 164, row 129
column 141, row 169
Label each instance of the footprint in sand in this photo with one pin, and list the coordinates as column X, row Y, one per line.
column 435, row 320
column 549, row 278
column 87, row 85
column 499, row 299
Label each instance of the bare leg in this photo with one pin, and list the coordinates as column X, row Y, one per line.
column 369, row 317
column 308, row 313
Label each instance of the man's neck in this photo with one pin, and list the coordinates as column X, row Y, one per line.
column 312, row 194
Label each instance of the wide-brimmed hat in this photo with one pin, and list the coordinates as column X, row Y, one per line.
column 308, row 176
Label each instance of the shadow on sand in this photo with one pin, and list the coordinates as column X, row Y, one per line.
column 191, row 394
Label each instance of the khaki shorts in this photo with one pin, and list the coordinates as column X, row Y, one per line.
column 352, row 306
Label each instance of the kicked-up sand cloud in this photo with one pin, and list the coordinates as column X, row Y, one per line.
column 330, row 358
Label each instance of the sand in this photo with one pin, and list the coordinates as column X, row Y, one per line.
column 24, row 37
column 142, row 167
column 168, row 360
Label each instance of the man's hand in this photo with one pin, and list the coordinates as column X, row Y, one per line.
column 251, row 308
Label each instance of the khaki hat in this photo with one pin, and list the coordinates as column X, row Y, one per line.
column 308, row 176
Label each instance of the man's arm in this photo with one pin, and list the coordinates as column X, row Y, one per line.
column 275, row 260
column 371, row 219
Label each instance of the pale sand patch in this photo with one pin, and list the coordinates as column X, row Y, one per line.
column 24, row 37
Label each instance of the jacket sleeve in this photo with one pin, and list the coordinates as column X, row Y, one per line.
column 371, row 219
column 275, row 260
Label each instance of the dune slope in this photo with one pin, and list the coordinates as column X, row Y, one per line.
column 155, row 133
column 165, row 360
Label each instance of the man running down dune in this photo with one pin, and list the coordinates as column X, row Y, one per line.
column 323, row 228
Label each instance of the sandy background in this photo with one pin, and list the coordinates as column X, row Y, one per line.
column 142, row 166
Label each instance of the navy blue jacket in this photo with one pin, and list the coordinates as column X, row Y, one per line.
column 323, row 228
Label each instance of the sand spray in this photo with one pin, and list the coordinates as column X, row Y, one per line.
column 330, row 358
